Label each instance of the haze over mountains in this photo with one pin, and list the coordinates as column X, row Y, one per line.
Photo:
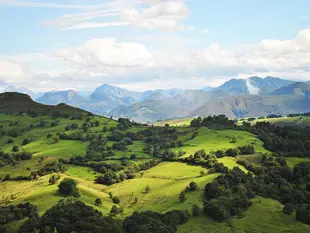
column 250, row 97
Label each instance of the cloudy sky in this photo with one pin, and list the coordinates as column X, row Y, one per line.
column 148, row 44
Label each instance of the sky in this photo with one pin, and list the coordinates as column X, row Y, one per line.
column 150, row 44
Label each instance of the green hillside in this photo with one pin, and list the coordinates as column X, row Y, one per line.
column 151, row 166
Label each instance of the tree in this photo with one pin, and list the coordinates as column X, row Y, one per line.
column 116, row 200
column 288, row 208
column 195, row 210
column 15, row 148
column 116, row 210
column 147, row 189
column 193, row 186
column 67, row 187
column 202, row 173
column 98, row 202
column 182, row 196
column 57, row 139
column 53, row 179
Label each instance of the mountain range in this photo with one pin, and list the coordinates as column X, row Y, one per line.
column 250, row 97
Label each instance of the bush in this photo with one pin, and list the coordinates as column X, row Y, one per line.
column 147, row 189
column 288, row 208
column 182, row 196
column 67, row 187
column 116, row 200
column 98, row 202
column 10, row 141
column 15, row 148
column 193, row 186
column 195, row 210
column 53, row 179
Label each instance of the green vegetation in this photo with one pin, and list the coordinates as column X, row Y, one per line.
column 132, row 172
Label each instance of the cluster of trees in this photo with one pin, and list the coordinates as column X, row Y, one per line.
column 229, row 194
column 214, row 122
column 286, row 141
column 100, row 167
column 8, row 158
column 17, row 212
column 60, row 218
column 111, row 177
column 299, row 114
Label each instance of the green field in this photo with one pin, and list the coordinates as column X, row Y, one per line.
column 176, row 122
column 212, row 140
column 264, row 216
column 166, row 180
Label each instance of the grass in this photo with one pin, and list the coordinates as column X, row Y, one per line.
column 212, row 140
column 292, row 161
column 166, row 180
column 264, row 216
column 24, row 168
column 174, row 171
column 81, row 172
column 175, row 122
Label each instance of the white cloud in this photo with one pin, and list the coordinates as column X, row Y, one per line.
column 95, row 25
column 109, row 53
column 158, row 14
column 130, row 63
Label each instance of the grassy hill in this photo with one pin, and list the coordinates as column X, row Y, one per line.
column 166, row 179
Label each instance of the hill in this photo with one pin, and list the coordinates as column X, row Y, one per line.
column 120, row 159
column 12, row 102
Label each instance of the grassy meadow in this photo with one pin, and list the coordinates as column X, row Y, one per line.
column 166, row 180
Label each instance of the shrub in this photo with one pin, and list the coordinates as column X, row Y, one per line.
column 15, row 148
column 98, row 202
column 67, row 187
column 116, row 200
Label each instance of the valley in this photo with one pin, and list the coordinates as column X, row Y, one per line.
column 146, row 167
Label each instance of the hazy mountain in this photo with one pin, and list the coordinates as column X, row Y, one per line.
column 163, row 108
column 253, row 86
column 254, row 106
column 208, row 88
column 70, row 97
column 299, row 88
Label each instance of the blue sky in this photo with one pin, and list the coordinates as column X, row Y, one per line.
column 147, row 44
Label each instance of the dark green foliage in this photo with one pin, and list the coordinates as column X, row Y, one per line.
column 26, row 141
column 246, row 150
column 288, row 208
column 69, row 216
column 10, row 141
column 193, row 186
column 303, row 213
column 49, row 135
column 195, row 210
column 15, row 148
column 215, row 122
column 232, row 152
column 116, row 210
column 98, row 202
column 17, row 212
column 67, row 187
column 53, row 179
column 286, row 141
column 182, row 196
column 151, row 222
column 53, row 167
column 116, row 200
